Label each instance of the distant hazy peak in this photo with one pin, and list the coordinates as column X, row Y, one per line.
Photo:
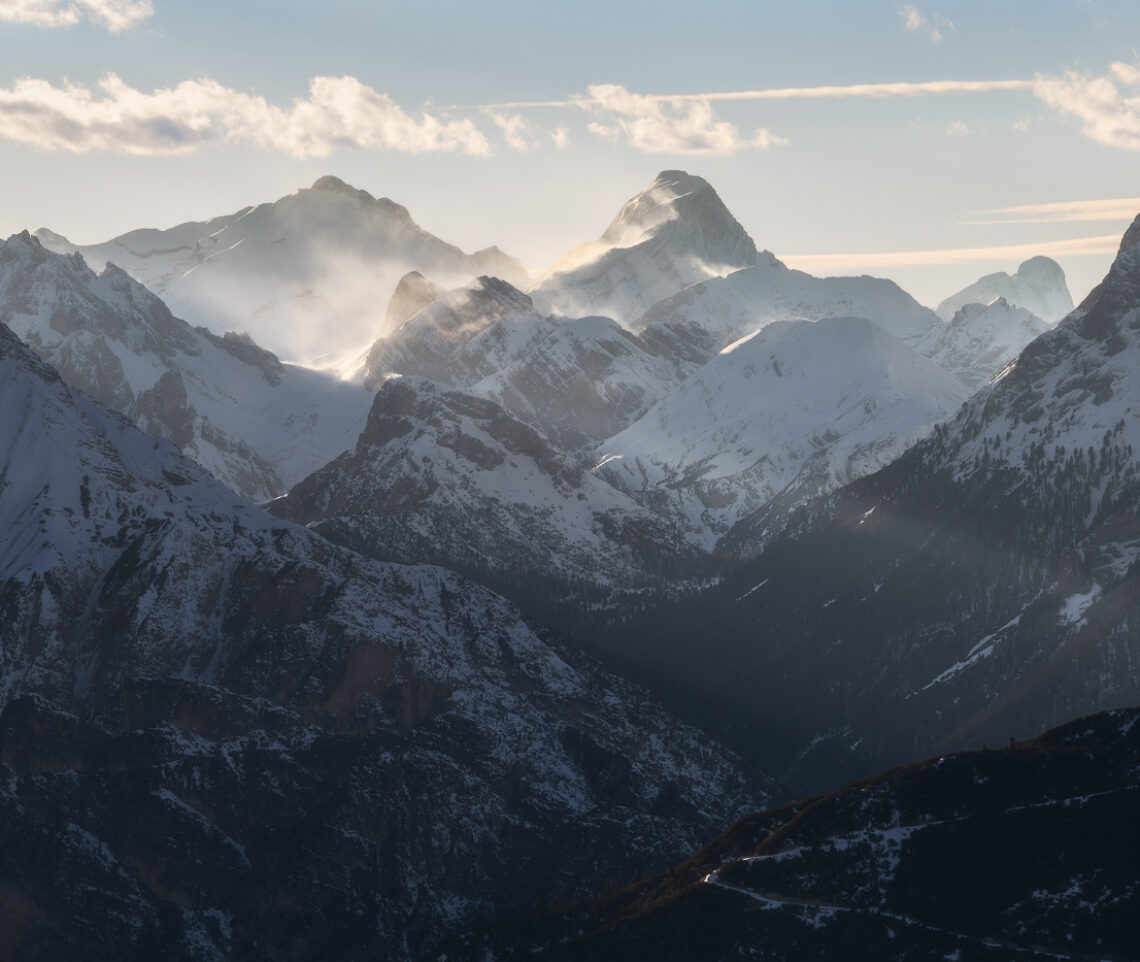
column 50, row 238
column 1038, row 285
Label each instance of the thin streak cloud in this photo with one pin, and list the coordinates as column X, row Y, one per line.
column 836, row 263
column 879, row 90
column 1069, row 211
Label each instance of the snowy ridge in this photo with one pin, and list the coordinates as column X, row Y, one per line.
column 307, row 275
column 811, row 405
column 745, row 301
column 257, row 424
column 981, row 339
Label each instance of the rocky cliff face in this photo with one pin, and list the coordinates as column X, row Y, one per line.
column 447, row 476
column 223, row 737
column 578, row 380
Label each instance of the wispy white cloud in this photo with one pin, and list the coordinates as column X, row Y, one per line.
column 833, row 92
column 916, row 22
column 658, row 125
column 339, row 112
column 1068, row 211
column 1108, row 107
column 1105, row 244
column 113, row 15
column 524, row 136
column 957, row 128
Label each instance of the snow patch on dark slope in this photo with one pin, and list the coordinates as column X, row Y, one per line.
column 257, row 424
column 446, row 476
column 1026, row 853
column 307, row 275
column 307, row 747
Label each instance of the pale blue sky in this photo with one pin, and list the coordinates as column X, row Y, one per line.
column 855, row 178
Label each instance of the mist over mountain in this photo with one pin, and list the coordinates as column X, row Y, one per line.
column 307, row 276
column 257, row 424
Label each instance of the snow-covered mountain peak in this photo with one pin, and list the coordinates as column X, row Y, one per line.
column 1037, row 285
column 742, row 302
column 412, row 295
column 473, row 306
column 444, row 475
column 674, row 233
column 676, row 196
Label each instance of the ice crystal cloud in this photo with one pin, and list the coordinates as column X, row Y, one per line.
column 662, row 126
column 339, row 112
column 113, row 15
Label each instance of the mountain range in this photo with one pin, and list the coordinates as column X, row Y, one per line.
column 223, row 736
column 549, row 583
column 981, row 585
